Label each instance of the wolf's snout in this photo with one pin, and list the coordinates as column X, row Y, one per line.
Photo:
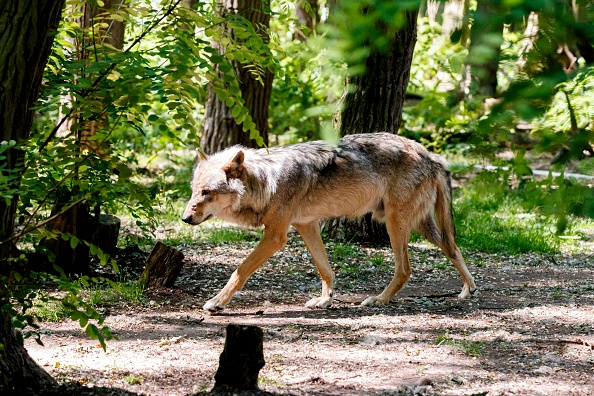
column 187, row 219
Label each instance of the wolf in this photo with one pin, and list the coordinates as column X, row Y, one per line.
column 394, row 178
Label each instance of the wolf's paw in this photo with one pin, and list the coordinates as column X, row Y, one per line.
column 319, row 302
column 373, row 301
column 467, row 291
column 213, row 305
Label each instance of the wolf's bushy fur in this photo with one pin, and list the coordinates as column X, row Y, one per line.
column 396, row 179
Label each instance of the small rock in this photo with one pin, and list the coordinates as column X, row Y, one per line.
column 423, row 382
column 544, row 370
column 457, row 379
column 551, row 358
column 372, row 340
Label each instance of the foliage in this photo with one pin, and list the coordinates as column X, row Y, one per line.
column 357, row 28
column 305, row 100
column 489, row 217
column 72, row 304
column 104, row 114
column 113, row 126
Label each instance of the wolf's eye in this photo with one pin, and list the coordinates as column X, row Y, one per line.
column 205, row 192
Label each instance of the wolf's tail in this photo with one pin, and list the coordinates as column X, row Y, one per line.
column 443, row 212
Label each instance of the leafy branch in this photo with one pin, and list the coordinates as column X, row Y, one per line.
column 85, row 93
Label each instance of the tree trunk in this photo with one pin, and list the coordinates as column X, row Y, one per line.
column 584, row 37
column 26, row 44
column 484, row 51
column 375, row 105
column 78, row 222
column 220, row 129
column 308, row 17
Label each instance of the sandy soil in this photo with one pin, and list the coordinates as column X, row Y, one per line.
column 528, row 331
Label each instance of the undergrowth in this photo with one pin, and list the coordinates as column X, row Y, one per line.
column 491, row 218
column 50, row 307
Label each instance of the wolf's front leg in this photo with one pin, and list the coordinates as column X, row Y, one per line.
column 274, row 239
column 311, row 236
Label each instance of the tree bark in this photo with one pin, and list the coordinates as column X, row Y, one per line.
column 482, row 62
column 307, row 16
column 26, row 44
column 375, row 105
column 162, row 267
column 220, row 129
column 78, row 222
column 241, row 359
column 584, row 37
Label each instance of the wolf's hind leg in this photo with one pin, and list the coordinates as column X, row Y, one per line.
column 311, row 236
column 274, row 239
column 399, row 235
column 428, row 229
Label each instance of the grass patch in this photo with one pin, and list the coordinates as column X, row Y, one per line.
column 490, row 219
column 444, row 338
column 474, row 349
column 499, row 231
column 471, row 348
column 133, row 379
column 232, row 235
column 345, row 257
column 342, row 251
column 47, row 308
column 106, row 295
column 379, row 260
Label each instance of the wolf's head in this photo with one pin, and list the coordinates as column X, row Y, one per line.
column 217, row 186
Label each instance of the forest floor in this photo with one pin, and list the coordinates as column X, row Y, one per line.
column 529, row 330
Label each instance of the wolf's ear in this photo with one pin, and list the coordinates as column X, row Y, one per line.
column 235, row 168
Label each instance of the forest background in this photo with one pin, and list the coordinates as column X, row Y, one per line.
column 130, row 90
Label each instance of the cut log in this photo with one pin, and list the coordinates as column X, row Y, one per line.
column 241, row 359
column 162, row 267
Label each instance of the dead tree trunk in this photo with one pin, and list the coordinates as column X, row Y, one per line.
column 241, row 359
column 77, row 222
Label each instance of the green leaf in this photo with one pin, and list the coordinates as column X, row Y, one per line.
column 236, row 110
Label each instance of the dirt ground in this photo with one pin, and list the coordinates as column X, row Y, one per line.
column 528, row 331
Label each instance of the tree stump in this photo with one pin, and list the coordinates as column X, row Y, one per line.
column 106, row 232
column 241, row 359
column 76, row 221
column 162, row 267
